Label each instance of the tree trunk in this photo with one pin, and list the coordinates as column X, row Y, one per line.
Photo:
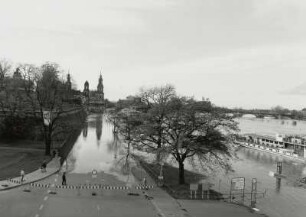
column 181, row 173
column 158, row 156
column 48, row 147
column 47, row 142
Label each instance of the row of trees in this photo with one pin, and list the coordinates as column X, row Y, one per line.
column 28, row 91
column 159, row 121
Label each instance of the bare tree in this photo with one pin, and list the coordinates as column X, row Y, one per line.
column 156, row 100
column 5, row 68
column 50, row 93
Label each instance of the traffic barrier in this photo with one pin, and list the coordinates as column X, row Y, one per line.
column 144, row 187
column 14, row 181
column 39, row 185
column 92, row 187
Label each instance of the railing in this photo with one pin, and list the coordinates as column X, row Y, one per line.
column 181, row 194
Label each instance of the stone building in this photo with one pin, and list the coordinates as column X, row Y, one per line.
column 94, row 99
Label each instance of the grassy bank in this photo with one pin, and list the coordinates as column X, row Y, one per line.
column 171, row 177
column 14, row 159
column 28, row 155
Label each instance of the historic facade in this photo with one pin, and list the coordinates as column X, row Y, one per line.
column 94, row 99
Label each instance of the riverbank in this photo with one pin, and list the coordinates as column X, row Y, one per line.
column 15, row 157
column 171, row 180
column 28, row 155
column 177, row 199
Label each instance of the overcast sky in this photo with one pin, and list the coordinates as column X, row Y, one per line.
column 238, row 53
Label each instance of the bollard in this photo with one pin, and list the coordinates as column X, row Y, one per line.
column 52, row 190
column 27, row 188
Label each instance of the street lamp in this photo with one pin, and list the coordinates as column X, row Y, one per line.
column 161, row 176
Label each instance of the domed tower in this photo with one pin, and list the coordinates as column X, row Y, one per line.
column 17, row 74
column 86, row 89
column 100, row 88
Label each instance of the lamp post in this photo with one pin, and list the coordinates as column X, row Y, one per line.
column 161, row 176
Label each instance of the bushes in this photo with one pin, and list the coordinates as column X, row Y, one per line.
column 15, row 127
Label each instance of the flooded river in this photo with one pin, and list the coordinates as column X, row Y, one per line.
column 97, row 148
column 282, row 198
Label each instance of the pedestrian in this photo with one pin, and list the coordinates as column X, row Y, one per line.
column 144, row 183
column 64, row 179
column 44, row 166
column 22, row 175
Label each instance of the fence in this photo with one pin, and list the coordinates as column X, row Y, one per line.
column 218, row 192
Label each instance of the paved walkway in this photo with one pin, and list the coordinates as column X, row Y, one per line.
column 52, row 167
column 168, row 206
column 161, row 200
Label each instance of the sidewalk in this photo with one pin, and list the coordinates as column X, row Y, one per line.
column 168, row 206
column 162, row 201
column 52, row 167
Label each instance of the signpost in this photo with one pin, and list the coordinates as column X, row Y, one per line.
column 47, row 117
column 237, row 184
column 161, row 176
column 205, row 187
column 254, row 192
column 94, row 174
column 193, row 188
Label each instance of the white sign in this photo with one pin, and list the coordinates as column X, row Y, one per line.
column 94, row 174
column 205, row 186
column 193, row 187
column 47, row 117
column 238, row 183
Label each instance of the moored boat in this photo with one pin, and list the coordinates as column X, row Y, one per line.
column 293, row 147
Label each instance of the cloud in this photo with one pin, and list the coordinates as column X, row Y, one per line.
column 298, row 90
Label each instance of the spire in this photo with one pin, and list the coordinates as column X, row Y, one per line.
column 100, row 87
column 68, row 82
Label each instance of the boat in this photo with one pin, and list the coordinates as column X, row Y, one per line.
column 289, row 146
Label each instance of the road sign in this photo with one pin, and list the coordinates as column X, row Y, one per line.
column 94, row 174
column 47, row 117
column 238, row 183
column 205, row 186
column 193, row 187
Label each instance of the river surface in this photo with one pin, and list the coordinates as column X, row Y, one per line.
column 98, row 149
column 282, row 198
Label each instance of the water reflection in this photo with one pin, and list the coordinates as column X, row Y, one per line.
column 99, row 125
column 278, row 185
column 113, row 145
column 85, row 130
column 101, row 150
column 283, row 198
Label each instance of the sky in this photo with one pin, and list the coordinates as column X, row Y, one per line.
column 237, row 53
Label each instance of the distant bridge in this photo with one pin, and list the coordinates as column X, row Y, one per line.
column 259, row 113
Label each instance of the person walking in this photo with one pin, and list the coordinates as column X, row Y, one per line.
column 22, row 175
column 44, row 167
column 144, row 183
column 64, row 179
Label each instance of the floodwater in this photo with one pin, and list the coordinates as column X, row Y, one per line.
column 282, row 198
column 98, row 149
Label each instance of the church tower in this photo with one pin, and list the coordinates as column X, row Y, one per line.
column 68, row 82
column 86, row 89
column 100, row 88
column 17, row 74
